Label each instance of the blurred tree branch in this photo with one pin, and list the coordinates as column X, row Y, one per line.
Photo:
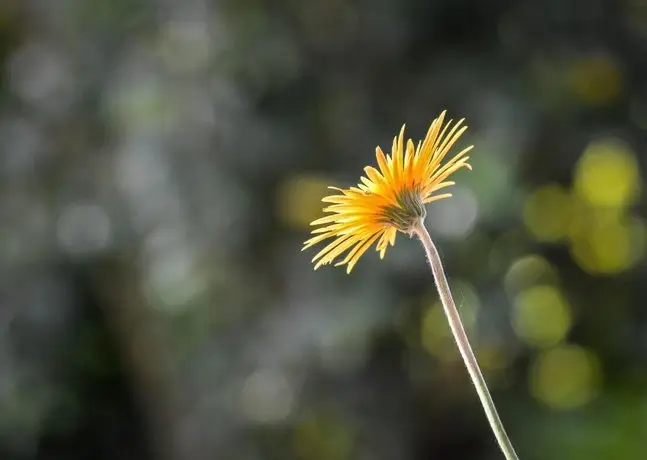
column 145, row 355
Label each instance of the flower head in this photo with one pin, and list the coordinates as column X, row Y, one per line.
column 388, row 199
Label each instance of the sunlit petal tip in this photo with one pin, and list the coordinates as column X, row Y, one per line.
column 351, row 265
column 374, row 175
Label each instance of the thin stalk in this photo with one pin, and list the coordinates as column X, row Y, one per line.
column 462, row 341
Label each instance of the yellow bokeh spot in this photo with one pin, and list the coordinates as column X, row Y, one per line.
column 596, row 81
column 546, row 213
column 609, row 246
column 299, row 200
column 607, row 174
column 528, row 271
column 565, row 377
column 322, row 437
column 541, row 316
column 435, row 334
column 583, row 214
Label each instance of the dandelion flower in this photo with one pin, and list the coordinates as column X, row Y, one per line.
column 391, row 198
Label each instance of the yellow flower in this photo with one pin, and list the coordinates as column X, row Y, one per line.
column 389, row 199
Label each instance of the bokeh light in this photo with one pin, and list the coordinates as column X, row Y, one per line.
column 454, row 218
column 299, row 200
column 267, row 397
column 527, row 271
column 609, row 245
column 607, row 174
column 566, row 377
column 596, row 80
column 547, row 213
column 541, row 316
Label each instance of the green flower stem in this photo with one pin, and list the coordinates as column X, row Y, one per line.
column 462, row 341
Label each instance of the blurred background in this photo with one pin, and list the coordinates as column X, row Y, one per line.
column 160, row 161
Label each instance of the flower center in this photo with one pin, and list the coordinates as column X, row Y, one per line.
column 408, row 210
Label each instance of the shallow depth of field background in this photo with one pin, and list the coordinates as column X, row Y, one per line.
column 160, row 161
